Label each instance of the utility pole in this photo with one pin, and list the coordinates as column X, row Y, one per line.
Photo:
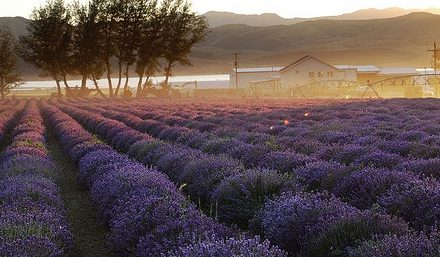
column 436, row 52
column 236, row 63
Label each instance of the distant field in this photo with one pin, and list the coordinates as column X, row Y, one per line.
column 203, row 177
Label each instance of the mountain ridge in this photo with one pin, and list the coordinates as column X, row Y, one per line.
column 399, row 41
column 216, row 19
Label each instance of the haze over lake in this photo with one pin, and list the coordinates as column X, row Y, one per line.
column 203, row 81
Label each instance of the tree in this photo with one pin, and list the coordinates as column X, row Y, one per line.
column 9, row 77
column 48, row 44
column 129, row 19
column 151, row 45
column 86, row 55
column 184, row 29
column 107, row 16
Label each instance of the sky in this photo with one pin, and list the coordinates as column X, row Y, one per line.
column 285, row 8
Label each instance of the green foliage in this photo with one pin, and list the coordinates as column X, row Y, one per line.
column 184, row 29
column 82, row 39
column 9, row 78
column 351, row 232
column 48, row 44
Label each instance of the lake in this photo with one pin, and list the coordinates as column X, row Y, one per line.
column 204, row 81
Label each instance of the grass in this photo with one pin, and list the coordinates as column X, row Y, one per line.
column 90, row 232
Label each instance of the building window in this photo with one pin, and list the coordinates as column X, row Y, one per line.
column 311, row 74
column 330, row 74
column 320, row 74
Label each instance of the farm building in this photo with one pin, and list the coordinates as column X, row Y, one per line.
column 397, row 72
column 311, row 73
column 364, row 73
column 300, row 72
column 248, row 75
column 373, row 73
column 308, row 69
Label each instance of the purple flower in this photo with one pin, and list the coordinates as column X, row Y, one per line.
column 172, row 226
column 290, row 221
column 230, row 248
column 428, row 168
column 379, row 159
column 284, row 161
column 321, row 175
column 417, row 202
column 203, row 174
column 94, row 159
column 362, row 189
column 399, row 246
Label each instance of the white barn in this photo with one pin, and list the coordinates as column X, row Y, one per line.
column 248, row 75
column 302, row 71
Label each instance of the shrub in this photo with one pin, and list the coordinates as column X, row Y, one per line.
column 417, row 202
column 283, row 161
column 362, row 189
column 379, row 159
column 349, row 232
column 94, row 159
column 321, row 175
column 239, row 197
column 203, row 174
column 428, row 168
column 173, row 226
column 291, row 221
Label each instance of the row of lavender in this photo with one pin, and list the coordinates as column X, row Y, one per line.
column 279, row 230
column 413, row 150
column 364, row 126
column 146, row 213
column 366, row 136
column 33, row 221
column 397, row 191
column 8, row 117
column 201, row 175
column 267, row 149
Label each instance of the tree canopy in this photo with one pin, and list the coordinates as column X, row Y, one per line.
column 87, row 40
column 9, row 77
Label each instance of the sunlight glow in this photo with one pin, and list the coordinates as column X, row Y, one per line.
column 285, row 8
column 313, row 8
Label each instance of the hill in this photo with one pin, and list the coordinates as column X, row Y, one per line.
column 394, row 41
column 400, row 41
column 217, row 19
column 16, row 24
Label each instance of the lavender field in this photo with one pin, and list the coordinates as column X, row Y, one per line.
column 216, row 177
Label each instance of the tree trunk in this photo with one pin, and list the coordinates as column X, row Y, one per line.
column 65, row 82
column 58, row 87
column 97, row 88
column 119, row 80
column 147, row 79
column 83, row 89
column 109, row 77
column 168, row 73
column 139, row 91
column 127, row 67
column 144, row 86
column 2, row 89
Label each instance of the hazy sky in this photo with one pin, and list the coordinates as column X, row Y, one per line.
column 286, row 8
